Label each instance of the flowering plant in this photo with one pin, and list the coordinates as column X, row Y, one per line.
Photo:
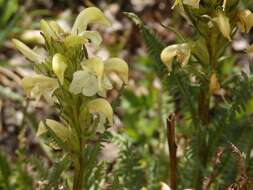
column 75, row 83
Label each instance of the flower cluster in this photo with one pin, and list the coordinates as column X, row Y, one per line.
column 220, row 17
column 75, row 83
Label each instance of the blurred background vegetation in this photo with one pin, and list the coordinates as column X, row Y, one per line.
column 144, row 104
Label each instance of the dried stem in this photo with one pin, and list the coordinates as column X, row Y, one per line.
column 173, row 150
column 242, row 180
column 216, row 162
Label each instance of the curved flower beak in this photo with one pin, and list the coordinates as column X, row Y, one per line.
column 59, row 66
column 101, row 106
column 27, row 52
column 245, row 22
column 38, row 85
column 119, row 66
column 182, row 52
column 93, row 36
column 87, row 16
column 223, row 23
column 84, row 82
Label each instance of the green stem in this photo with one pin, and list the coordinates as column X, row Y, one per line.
column 79, row 173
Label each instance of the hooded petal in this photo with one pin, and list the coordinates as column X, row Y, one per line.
column 193, row 3
column 35, row 86
column 245, row 22
column 101, row 106
column 59, row 66
column 27, row 52
column 223, row 23
column 181, row 51
column 93, row 36
column 119, row 66
column 87, row 16
column 84, row 82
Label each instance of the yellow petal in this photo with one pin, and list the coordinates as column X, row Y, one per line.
column 119, row 66
column 193, row 3
column 48, row 30
column 84, row 82
column 59, row 66
column 96, row 66
column 87, row 16
column 245, row 22
column 27, row 52
column 223, row 23
column 101, row 106
column 39, row 85
column 93, row 36
column 181, row 51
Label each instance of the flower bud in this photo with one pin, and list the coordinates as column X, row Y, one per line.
column 223, row 23
column 59, row 66
column 214, row 84
column 27, row 52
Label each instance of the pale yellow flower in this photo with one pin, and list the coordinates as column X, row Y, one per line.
column 101, row 106
column 102, row 71
column 181, row 52
column 84, row 82
column 59, row 66
column 38, row 85
column 245, row 22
